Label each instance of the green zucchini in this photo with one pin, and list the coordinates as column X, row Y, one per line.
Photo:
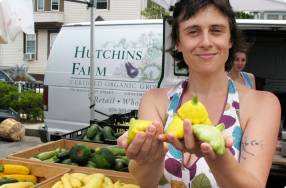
column 80, row 154
column 7, row 180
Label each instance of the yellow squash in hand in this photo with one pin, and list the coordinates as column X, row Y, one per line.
column 136, row 126
column 176, row 127
column 193, row 110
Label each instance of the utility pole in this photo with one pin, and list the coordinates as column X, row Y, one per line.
column 92, row 5
column 91, row 94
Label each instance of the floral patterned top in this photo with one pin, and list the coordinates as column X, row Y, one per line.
column 198, row 174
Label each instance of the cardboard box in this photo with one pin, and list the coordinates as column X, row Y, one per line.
column 26, row 154
column 113, row 177
column 43, row 172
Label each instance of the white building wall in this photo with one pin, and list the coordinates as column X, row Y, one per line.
column 38, row 66
column 12, row 54
column 119, row 10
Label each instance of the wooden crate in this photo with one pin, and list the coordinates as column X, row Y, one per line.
column 43, row 172
column 113, row 177
column 63, row 143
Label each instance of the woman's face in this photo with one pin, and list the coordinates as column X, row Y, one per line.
column 205, row 40
column 240, row 61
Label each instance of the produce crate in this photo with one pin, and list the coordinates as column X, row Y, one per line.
column 114, row 121
column 113, row 177
column 44, row 173
column 26, row 154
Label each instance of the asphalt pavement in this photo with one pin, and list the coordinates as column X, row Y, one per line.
column 31, row 139
column 7, row 148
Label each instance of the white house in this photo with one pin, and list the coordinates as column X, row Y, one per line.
column 50, row 15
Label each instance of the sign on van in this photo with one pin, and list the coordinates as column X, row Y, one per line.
column 128, row 61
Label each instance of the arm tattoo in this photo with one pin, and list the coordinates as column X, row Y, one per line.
column 248, row 145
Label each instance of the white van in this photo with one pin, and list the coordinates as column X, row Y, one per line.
column 128, row 58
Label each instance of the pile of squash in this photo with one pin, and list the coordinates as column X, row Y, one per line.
column 81, row 180
column 16, row 176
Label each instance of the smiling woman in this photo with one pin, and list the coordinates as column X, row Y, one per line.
column 205, row 38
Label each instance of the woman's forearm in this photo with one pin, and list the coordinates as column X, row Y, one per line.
column 148, row 174
column 228, row 173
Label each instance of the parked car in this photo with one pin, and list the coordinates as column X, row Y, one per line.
column 17, row 73
column 8, row 113
column 4, row 77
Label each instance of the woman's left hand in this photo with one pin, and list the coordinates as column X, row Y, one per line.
column 191, row 145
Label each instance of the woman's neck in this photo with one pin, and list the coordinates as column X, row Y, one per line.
column 204, row 86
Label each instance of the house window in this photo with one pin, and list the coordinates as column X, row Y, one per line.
column 30, row 44
column 55, row 5
column 284, row 17
column 102, row 4
column 40, row 5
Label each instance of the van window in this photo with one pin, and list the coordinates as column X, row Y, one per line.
column 180, row 71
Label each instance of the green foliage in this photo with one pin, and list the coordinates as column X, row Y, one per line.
column 154, row 11
column 28, row 103
column 243, row 15
column 8, row 94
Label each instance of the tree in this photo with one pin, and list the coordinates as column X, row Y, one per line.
column 154, row 11
column 244, row 15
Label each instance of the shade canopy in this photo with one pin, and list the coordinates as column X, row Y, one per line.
column 166, row 4
column 241, row 5
column 16, row 16
column 258, row 5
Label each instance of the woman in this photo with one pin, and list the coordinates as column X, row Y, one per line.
column 204, row 34
column 236, row 73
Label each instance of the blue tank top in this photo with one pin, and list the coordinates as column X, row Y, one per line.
column 247, row 81
column 198, row 174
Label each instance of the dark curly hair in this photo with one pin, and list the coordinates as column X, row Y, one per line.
column 184, row 9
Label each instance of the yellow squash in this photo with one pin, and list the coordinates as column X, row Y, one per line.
column 136, row 126
column 14, row 169
column 18, row 185
column 193, row 110
column 176, row 127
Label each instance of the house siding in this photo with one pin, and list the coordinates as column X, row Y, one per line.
column 38, row 66
column 11, row 54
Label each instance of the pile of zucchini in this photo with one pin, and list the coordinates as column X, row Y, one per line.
column 109, row 157
column 100, row 134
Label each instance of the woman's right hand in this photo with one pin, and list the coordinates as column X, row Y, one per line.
column 145, row 147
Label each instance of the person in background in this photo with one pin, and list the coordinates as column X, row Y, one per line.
column 237, row 74
column 204, row 36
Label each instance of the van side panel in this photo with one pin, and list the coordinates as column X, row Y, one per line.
column 128, row 60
